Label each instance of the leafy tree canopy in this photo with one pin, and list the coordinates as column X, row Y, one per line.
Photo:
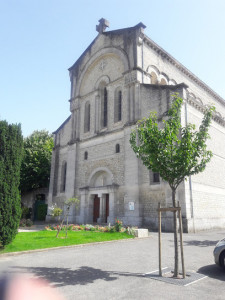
column 173, row 151
column 35, row 169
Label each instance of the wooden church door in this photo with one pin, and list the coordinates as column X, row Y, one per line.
column 96, row 208
column 106, row 207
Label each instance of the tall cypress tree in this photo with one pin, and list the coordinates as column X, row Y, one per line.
column 11, row 147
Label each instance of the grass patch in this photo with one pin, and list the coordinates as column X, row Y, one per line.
column 46, row 239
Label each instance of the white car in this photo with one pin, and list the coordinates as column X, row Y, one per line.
column 219, row 253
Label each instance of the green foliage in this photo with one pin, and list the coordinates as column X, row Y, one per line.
column 11, row 145
column 173, row 151
column 35, row 168
column 72, row 201
column 42, row 211
column 118, row 225
column 56, row 212
column 26, row 212
column 26, row 223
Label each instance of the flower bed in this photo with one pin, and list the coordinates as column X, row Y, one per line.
column 96, row 228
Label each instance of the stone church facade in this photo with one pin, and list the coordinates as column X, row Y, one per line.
column 119, row 79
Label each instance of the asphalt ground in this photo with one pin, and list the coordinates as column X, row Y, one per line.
column 114, row 270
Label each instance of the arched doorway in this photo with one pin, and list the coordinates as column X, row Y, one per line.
column 99, row 196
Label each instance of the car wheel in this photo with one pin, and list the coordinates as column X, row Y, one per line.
column 222, row 259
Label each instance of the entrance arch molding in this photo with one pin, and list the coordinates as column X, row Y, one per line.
column 101, row 171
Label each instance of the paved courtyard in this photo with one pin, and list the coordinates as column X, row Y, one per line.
column 115, row 270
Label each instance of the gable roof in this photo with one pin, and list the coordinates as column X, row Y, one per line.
column 159, row 50
column 110, row 32
column 61, row 126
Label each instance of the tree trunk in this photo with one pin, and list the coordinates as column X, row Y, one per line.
column 66, row 225
column 60, row 227
column 175, row 234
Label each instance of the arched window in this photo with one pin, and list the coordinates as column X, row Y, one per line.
column 85, row 155
column 154, row 79
column 117, row 148
column 87, row 117
column 163, row 82
column 118, row 106
column 63, row 177
column 105, row 108
column 103, row 93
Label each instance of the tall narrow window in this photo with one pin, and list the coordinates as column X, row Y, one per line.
column 154, row 177
column 118, row 106
column 117, row 148
column 63, row 177
column 85, row 155
column 105, row 108
column 87, row 117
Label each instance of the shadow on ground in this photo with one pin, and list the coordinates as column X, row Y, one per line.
column 205, row 243
column 213, row 271
column 65, row 276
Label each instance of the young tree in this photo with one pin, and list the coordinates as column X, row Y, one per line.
column 173, row 151
column 57, row 212
column 36, row 163
column 11, row 144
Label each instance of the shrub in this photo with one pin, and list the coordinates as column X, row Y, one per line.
column 118, row 225
column 29, row 223
column 26, row 222
column 130, row 230
column 23, row 223
column 11, row 145
column 26, row 213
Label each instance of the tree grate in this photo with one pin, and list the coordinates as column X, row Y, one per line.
column 167, row 273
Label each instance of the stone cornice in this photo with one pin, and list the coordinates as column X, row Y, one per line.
column 200, row 107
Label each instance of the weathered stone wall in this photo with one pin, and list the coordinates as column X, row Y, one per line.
column 208, row 187
column 63, row 136
column 102, row 153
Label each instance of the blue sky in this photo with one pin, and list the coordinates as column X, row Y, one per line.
column 41, row 39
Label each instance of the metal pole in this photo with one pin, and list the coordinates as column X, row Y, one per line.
column 181, row 241
column 159, row 230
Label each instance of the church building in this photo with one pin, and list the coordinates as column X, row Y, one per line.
column 118, row 80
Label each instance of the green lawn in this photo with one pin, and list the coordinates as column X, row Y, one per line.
column 46, row 239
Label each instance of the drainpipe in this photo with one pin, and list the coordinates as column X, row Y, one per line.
column 190, row 181
column 142, row 50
